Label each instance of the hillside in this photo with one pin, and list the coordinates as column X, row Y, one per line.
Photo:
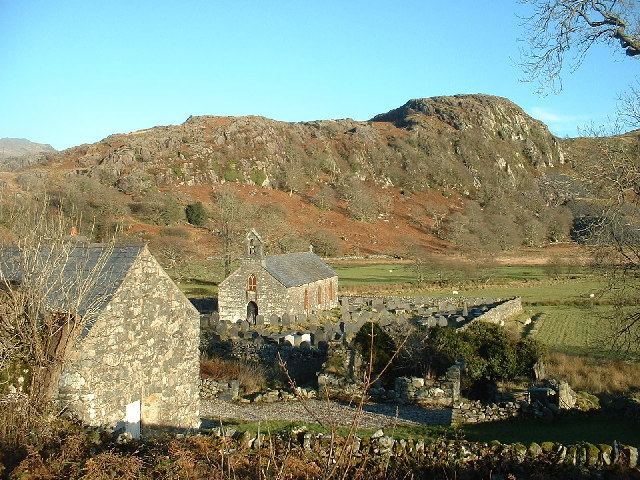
column 436, row 175
column 18, row 152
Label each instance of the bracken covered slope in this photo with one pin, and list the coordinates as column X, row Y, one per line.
column 437, row 174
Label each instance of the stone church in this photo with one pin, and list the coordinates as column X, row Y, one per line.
column 135, row 362
column 293, row 283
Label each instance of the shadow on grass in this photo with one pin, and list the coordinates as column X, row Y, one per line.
column 588, row 427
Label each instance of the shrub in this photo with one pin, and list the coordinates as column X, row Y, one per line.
column 252, row 378
column 383, row 347
column 489, row 353
column 325, row 244
column 258, row 176
column 196, row 214
column 160, row 209
column 325, row 198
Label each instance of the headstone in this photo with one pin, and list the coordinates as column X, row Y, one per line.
column 465, row 309
column 286, row 319
column 275, row 320
column 259, row 320
column 221, row 327
column 442, row 322
column 567, row 398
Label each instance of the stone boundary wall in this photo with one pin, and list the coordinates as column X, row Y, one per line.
column 442, row 392
column 219, row 389
column 448, row 453
column 478, row 412
column 500, row 313
column 231, row 391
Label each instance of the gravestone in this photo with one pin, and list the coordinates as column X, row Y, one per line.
column 220, row 327
column 259, row 320
column 286, row 320
column 275, row 320
column 442, row 322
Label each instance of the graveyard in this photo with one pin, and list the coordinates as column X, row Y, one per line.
column 527, row 301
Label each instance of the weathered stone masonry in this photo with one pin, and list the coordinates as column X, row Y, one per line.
column 143, row 346
column 294, row 284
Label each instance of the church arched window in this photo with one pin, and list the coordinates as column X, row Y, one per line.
column 252, row 283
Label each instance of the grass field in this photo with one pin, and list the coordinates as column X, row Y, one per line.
column 557, row 298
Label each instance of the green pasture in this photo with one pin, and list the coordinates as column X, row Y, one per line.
column 558, row 298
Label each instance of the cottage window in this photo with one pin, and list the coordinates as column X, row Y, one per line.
column 306, row 299
column 252, row 283
column 252, row 247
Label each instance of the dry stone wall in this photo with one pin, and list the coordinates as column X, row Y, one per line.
column 501, row 312
column 554, row 459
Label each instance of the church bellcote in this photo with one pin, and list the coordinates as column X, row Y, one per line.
column 255, row 246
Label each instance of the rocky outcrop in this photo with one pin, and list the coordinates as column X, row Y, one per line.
column 452, row 142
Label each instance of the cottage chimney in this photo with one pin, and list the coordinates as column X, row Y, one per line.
column 311, row 248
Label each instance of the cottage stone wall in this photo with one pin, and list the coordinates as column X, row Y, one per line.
column 271, row 297
column 144, row 346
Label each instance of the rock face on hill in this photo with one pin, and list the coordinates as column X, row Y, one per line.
column 18, row 152
column 468, row 170
column 458, row 142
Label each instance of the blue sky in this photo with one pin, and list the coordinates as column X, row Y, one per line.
column 73, row 71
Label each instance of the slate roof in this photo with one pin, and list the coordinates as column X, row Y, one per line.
column 293, row 269
column 98, row 268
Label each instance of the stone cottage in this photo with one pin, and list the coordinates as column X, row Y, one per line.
column 135, row 361
column 267, row 285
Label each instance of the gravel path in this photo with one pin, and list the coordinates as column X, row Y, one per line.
column 375, row 415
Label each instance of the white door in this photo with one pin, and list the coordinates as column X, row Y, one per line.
column 132, row 419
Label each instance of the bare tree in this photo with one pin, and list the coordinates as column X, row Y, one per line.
column 230, row 223
column 563, row 31
column 47, row 295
